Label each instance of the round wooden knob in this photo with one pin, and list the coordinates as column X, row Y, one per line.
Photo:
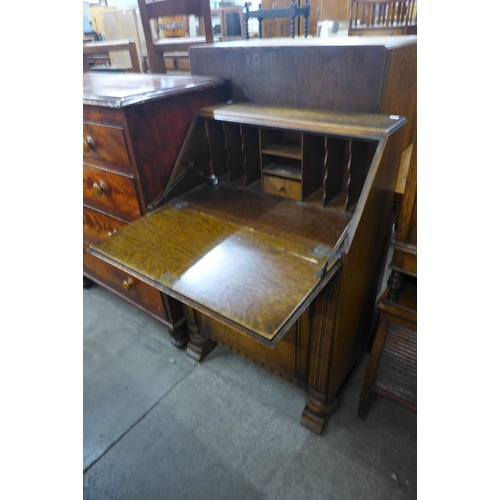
column 88, row 144
column 128, row 284
column 280, row 188
column 99, row 188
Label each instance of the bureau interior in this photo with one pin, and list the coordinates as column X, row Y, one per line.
column 324, row 170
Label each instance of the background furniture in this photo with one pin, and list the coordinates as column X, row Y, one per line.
column 97, row 20
column 231, row 22
column 320, row 10
column 289, row 285
column 98, row 48
column 133, row 129
column 157, row 47
column 124, row 24
column 392, row 366
column 291, row 12
column 360, row 74
column 380, row 17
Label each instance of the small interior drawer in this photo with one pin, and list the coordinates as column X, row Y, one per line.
column 280, row 186
column 97, row 225
column 106, row 143
column 111, row 192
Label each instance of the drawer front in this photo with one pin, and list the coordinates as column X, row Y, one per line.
column 405, row 262
column 169, row 63
column 279, row 186
column 139, row 293
column 97, row 226
column 105, row 143
column 183, row 64
column 114, row 193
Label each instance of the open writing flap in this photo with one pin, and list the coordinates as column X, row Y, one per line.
column 248, row 259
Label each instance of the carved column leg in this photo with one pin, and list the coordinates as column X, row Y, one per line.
column 396, row 281
column 175, row 315
column 178, row 334
column 317, row 411
column 199, row 343
column 319, row 399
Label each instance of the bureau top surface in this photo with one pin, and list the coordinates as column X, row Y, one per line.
column 120, row 90
column 388, row 42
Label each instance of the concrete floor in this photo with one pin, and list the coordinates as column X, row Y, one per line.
column 159, row 425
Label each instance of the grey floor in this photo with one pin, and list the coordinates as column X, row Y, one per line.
column 158, row 425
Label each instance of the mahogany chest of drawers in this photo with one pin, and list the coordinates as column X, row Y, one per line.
column 133, row 128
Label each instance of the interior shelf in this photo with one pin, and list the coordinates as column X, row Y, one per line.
column 281, row 168
column 287, row 150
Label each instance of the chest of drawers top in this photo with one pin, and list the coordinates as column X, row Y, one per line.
column 118, row 91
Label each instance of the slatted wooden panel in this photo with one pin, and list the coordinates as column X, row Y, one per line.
column 396, row 375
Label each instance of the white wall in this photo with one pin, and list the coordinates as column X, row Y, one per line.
column 122, row 4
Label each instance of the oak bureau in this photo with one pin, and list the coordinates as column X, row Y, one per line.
column 133, row 129
column 270, row 237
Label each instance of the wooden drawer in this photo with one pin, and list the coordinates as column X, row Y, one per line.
column 112, row 192
column 183, row 64
column 170, row 63
column 131, row 289
column 279, row 186
column 106, row 143
column 97, row 226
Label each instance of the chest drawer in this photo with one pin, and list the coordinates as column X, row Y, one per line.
column 106, row 143
column 112, row 192
column 141, row 294
column 279, row 186
column 97, row 226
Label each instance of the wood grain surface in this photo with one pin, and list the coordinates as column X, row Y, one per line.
column 244, row 255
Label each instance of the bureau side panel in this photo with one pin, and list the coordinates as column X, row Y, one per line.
column 363, row 265
column 399, row 93
column 157, row 131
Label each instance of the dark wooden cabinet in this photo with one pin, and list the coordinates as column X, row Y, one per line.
column 133, row 130
column 270, row 237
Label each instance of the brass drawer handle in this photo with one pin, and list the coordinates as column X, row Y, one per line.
column 89, row 144
column 128, row 284
column 100, row 188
